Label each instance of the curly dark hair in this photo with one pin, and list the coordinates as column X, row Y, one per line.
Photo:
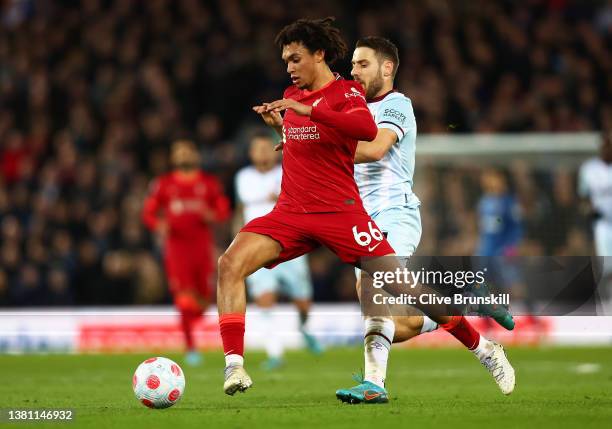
column 314, row 34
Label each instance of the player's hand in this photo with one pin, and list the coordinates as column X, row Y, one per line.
column 279, row 147
column 272, row 119
column 289, row 103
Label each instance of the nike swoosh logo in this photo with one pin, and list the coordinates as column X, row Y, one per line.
column 369, row 396
column 374, row 247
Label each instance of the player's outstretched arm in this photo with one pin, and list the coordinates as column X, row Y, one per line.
column 355, row 123
column 377, row 148
column 271, row 118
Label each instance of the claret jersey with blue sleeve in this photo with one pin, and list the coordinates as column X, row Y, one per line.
column 388, row 182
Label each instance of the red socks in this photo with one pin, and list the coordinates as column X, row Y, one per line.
column 188, row 320
column 232, row 325
column 191, row 311
column 232, row 333
column 461, row 329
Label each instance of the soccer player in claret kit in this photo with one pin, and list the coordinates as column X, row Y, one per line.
column 384, row 175
column 324, row 118
column 180, row 207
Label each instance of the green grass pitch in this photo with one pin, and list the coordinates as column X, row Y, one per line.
column 556, row 388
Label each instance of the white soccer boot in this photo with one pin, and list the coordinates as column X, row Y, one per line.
column 236, row 379
column 499, row 367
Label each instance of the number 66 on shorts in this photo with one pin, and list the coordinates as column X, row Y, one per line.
column 352, row 235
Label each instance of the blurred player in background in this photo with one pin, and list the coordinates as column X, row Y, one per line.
column 595, row 184
column 257, row 189
column 499, row 216
column 384, row 173
column 500, row 228
column 180, row 207
column 324, row 119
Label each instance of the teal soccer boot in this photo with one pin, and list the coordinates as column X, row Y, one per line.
column 364, row 393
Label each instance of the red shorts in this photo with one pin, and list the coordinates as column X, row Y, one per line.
column 350, row 235
column 189, row 271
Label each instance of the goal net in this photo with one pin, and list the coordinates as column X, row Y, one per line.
column 454, row 174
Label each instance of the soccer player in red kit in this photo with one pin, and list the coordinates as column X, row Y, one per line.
column 180, row 208
column 325, row 116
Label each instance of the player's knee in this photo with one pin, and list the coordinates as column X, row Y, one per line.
column 266, row 300
column 228, row 266
column 187, row 303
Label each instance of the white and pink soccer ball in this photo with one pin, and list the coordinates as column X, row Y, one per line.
column 158, row 382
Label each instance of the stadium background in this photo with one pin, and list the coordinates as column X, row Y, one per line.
column 92, row 92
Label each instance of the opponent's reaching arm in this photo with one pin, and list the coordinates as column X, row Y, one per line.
column 377, row 148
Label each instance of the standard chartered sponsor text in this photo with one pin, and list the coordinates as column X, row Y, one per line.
column 303, row 133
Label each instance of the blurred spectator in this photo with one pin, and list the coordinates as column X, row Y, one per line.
column 59, row 291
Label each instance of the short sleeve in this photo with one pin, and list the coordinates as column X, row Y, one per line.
column 397, row 115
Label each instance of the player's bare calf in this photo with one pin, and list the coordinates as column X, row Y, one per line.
column 247, row 253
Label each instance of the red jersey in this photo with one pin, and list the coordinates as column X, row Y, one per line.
column 184, row 203
column 319, row 151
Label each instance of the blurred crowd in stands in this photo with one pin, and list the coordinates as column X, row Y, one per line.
column 93, row 91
